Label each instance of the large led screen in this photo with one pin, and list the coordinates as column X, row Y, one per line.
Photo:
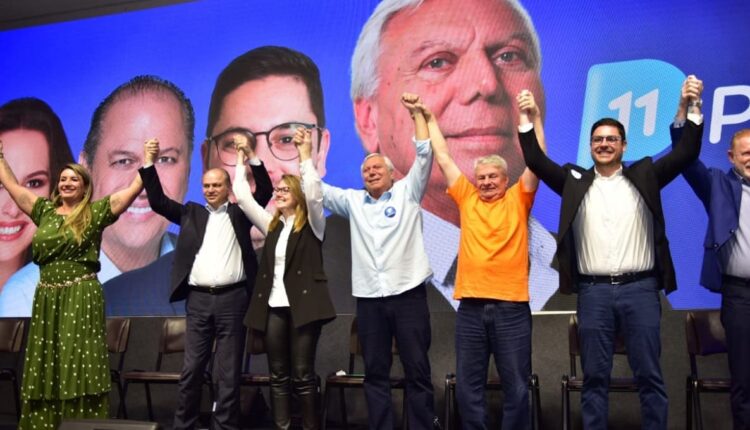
column 467, row 60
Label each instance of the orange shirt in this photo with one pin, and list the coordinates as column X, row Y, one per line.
column 493, row 254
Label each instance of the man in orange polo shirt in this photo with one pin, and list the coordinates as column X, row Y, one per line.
column 492, row 276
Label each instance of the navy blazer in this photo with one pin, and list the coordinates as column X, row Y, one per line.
column 721, row 193
column 572, row 183
column 192, row 219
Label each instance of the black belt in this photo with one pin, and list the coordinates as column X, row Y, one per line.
column 735, row 280
column 622, row 278
column 220, row 289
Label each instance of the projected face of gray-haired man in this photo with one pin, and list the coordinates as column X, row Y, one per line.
column 468, row 60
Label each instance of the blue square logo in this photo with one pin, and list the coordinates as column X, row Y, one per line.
column 642, row 95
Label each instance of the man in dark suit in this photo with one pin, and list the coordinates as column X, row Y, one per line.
column 613, row 251
column 214, row 271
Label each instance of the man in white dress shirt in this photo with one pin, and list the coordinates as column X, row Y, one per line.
column 613, row 251
column 214, row 271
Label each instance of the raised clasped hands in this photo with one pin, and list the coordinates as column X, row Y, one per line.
column 242, row 146
column 303, row 142
column 692, row 89
column 151, row 150
column 415, row 106
column 527, row 106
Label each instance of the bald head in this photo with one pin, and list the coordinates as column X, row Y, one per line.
column 216, row 185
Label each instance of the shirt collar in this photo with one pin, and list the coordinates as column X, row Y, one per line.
column 743, row 180
column 287, row 220
column 598, row 175
column 385, row 197
column 221, row 209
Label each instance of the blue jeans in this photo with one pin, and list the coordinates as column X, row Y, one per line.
column 735, row 317
column 634, row 309
column 407, row 318
column 503, row 329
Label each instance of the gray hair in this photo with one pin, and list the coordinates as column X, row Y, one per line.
column 364, row 67
column 492, row 160
column 388, row 162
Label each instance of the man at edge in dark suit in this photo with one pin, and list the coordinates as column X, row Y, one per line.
column 613, row 252
column 214, row 271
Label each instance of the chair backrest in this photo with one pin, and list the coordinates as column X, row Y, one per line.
column 11, row 334
column 254, row 345
column 173, row 335
column 704, row 334
column 574, row 343
column 172, row 338
column 118, row 334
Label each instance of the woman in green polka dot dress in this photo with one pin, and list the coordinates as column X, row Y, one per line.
column 66, row 371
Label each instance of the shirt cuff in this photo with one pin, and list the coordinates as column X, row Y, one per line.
column 304, row 165
column 147, row 165
column 420, row 142
column 255, row 161
column 523, row 128
column 678, row 123
column 695, row 118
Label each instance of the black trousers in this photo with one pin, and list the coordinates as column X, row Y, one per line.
column 213, row 317
column 407, row 318
column 291, row 361
column 735, row 316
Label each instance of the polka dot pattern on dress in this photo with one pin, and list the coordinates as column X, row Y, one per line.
column 66, row 370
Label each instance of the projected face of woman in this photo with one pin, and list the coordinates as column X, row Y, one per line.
column 27, row 154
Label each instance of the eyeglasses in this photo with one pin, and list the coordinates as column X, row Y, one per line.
column 281, row 190
column 610, row 139
column 280, row 140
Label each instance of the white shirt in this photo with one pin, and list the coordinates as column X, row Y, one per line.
column 388, row 255
column 219, row 260
column 261, row 218
column 736, row 252
column 613, row 228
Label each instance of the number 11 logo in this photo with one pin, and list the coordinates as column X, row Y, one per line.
column 641, row 94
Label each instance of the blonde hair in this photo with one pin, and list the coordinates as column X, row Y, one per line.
column 80, row 218
column 300, row 212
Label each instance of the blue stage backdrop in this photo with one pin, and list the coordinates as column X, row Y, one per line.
column 622, row 59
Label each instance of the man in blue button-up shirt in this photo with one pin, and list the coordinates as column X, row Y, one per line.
column 389, row 272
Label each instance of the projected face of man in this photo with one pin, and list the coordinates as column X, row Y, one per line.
column 467, row 60
column 260, row 105
column 133, row 241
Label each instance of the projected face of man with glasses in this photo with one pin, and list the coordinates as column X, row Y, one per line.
column 268, row 111
column 278, row 139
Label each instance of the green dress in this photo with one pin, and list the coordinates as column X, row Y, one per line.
column 66, row 370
